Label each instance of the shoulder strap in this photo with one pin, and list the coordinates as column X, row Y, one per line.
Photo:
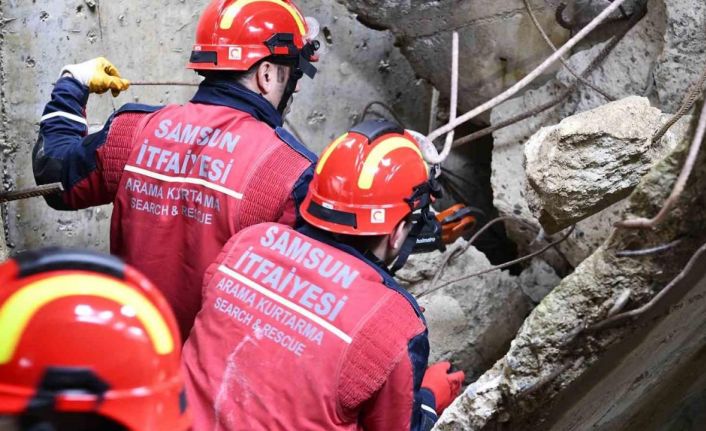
column 294, row 143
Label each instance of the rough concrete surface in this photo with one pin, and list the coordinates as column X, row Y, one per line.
column 626, row 71
column 3, row 246
column 684, row 56
column 498, row 43
column 151, row 42
column 649, row 380
column 509, row 184
column 594, row 159
column 471, row 322
column 547, row 355
column 658, row 58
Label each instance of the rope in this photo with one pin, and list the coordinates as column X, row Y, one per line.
column 645, row 223
column 502, row 266
column 563, row 61
column 460, row 250
column 431, row 158
column 453, row 110
column 600, row 58
column 687, row 103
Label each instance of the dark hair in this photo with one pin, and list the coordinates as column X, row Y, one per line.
column 239, row 76
column 362, row 243
column 227, row 75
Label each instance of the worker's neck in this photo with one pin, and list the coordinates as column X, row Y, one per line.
column 250, row 83
column 382, row 250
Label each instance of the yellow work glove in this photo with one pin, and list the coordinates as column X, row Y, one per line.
column 99, row 75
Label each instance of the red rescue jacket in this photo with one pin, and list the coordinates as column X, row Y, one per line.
column 183, row 179
column 299, row 334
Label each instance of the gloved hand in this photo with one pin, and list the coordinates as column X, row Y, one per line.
column 444, row 385
column 99, row 75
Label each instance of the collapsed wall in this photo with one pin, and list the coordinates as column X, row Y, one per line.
column 557, row 344
column 656, row 49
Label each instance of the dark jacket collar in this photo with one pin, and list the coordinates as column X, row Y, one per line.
column 236, row 96
column 328, row 239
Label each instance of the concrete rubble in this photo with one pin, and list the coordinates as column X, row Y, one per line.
column 625, row 71
column 471, row 322
column 587, row 161
column 550, row 351
column 658, row 60
column 594, row 159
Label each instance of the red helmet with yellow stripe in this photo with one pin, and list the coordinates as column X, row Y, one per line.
column 236, row 34
column 367, row 181
column 83, row 333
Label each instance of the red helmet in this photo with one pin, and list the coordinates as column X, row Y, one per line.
column 85, row 334
column 367, row 181
column 236, row 34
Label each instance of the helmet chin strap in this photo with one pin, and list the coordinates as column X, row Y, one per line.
column 421, row 201
column 299, row 65
column 409, row 242
column 289, row 90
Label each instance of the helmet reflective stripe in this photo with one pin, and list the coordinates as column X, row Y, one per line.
column 232, row 11
column 364, row 181
column 327, row 153
column 19, row 309
column 381, row 150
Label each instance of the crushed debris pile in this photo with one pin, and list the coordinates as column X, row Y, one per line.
column 471, row 322
column 555, row 344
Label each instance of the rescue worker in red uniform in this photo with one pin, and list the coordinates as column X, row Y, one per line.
column 87, row 344
column 306, row 329
column 184, row 179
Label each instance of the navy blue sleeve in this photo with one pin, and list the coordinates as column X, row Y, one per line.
column 423, row 412
column 65, row 154
column 57, row 156
column 301, row 187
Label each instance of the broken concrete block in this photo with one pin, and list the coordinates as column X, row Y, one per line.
column 592, row 160
column 624, row 72
column 548, row 360
column 471, row 322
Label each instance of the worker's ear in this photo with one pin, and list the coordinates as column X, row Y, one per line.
column 398, row 235
column 266, row 77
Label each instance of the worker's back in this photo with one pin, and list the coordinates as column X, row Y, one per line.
column 297, row 334
column 196, row 175
column 183, row 179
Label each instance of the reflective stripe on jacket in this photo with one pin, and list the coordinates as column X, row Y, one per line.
column 299, row 334
column 183, row 179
